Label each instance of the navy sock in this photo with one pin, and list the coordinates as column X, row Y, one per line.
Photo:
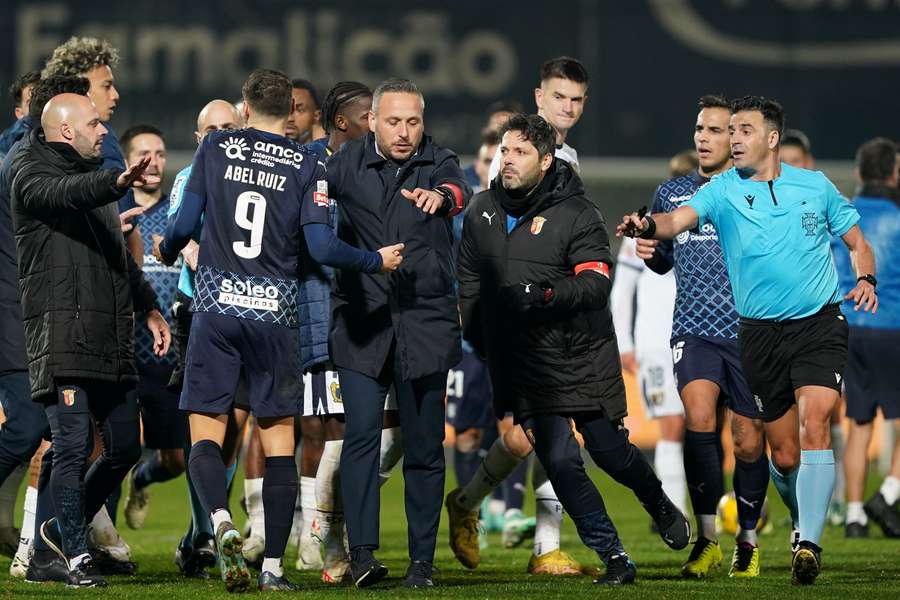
column 514, row 487
column 464, row 465
column 703, row 470
column 208, row 475
column 751, row 480
column 279, row 496
column 151, row 471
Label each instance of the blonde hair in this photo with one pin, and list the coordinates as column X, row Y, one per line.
column 79, row 55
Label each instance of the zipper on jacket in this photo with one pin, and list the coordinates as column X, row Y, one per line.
column 772, row 192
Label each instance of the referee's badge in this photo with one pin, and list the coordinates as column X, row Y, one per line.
column 810, row 223
column 69, row 397
column 537, row 224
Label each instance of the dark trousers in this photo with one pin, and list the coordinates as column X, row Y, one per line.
column 421, row 406
column 25, row 423
column 77, row 497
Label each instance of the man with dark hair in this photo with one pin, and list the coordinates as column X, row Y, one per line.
column 560, row 100
column 534, row 292
column 874, row 340
column 305, row 123
column 774, row 223
column 499, row 113
column 400, row 330
column 796, row 150
column 254, row 190
column 58, row 193
column 20, row 92
column 707, row 361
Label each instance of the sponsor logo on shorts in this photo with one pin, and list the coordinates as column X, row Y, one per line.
column 69, row 397
column 759, row 404
column 837, row 377
column 246, row 294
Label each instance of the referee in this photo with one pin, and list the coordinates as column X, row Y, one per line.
column 775, row 223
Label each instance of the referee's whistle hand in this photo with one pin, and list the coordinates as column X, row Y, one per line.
column 631, row 226
column 391, row 258
column 864, row 296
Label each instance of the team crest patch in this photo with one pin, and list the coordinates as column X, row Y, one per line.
column 69, row 397
column 320, row 196
column 336, row 392
column 810, row 223
column 537, row 224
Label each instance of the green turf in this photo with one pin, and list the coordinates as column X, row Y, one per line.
column 852, row 569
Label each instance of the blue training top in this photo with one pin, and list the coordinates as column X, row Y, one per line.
column 775, row 236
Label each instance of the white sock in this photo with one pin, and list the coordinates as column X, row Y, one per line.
column 273, row 566
column 840, row 482
column 391, row 452
column 856, row 513
column 748, row 536
column 496, row 466
column 707, row 526
column 308, row 506
column 219, row 517
column 668, row 460
column 74, row 562
column 496, row 507
column 255, row 511
column 25, row 538
column 103, row 526
column 329, row 502
column 549, row 512
column 890, row 489
column 9, row 492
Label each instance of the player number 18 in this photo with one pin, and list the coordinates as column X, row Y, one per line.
column 254, row 223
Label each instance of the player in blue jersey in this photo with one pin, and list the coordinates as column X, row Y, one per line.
column 707, row 360
column 874, row 344
column 774, row 223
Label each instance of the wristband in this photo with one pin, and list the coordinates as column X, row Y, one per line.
column 868, row 278
column 651, row 228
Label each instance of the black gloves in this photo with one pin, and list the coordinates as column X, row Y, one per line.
column 522, row 297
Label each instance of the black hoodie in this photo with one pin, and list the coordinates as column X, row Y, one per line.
column 560, row 357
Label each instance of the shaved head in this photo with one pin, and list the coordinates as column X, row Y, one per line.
column 74, row 120
column 218, row 114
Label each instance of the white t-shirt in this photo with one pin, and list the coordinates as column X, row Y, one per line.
column 655, row 303
column 564, row 152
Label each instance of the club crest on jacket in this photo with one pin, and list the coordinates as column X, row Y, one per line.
column 537, row 224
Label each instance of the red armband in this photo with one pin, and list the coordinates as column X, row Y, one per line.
column 595, row 266
column 457, row 194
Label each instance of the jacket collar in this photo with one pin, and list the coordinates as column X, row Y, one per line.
column 61, row 155
column 424, row 154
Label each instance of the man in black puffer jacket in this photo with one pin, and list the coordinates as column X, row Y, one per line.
column 534, row 287
column 79, row 293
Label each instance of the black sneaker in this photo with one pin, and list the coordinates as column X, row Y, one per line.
column 619, row 571
column 418, row 575
column 856, row 530
column 882, row 513
column 46, row 566
column 365, row 568
column 85, row 576
column 103, row 563
column 52, row 537
column 806, row 563
column 188, row 563
column 268, row 582
column 674, row 528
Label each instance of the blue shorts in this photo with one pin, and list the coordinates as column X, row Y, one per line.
column 165, row 425
column 717, row 360
column 870, row 381
column 469, row 398
column 220, row 345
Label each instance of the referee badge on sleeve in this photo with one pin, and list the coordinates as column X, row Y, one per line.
column 320, row 196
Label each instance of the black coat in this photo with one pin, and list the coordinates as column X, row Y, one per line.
column 559, row 357
column 76, row 278
column 416, row 306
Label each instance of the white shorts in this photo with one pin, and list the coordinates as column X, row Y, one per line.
column 657, row 381
column 322, row 395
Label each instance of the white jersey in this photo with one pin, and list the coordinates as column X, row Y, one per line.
column 564, row 152
column 655, row 304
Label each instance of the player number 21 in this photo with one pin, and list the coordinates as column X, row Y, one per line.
column 249, row 202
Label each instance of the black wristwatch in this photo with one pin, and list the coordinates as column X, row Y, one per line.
column 870, row 278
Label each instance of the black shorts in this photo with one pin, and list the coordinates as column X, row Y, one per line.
column 222, row 348
column 782, row 356
column 469, row 399
column 717, row 360
column 165, row 426
column 871, row 381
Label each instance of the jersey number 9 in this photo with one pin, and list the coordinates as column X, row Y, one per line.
column 254, row 224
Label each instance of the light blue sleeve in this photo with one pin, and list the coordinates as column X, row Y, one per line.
column 840, row 215
column 706, row 202
column 177, row 193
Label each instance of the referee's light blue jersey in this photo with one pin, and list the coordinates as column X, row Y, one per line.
column 775, row 236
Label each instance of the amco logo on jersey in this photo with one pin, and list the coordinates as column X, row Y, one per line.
column 246, row 294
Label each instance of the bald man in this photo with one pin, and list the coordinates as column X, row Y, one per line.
column 80, row 291
column 196, row 551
